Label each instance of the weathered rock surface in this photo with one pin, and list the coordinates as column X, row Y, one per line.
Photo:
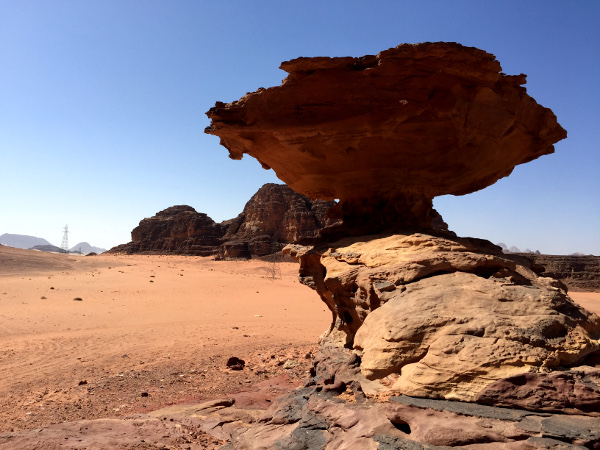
column 142, row 432
column 385, row 134
column 274, row 216
column 272, row 415
column 577, row 272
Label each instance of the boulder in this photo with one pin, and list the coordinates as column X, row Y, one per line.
column 446, row 317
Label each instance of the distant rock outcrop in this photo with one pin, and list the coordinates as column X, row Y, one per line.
column 178, row 229
column 274, row 216
column 48, row 248
column 577, row 272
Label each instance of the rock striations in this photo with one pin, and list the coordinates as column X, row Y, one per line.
column 274, row 216
column 416, row 311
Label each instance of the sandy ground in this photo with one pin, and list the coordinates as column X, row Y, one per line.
column 108, row 336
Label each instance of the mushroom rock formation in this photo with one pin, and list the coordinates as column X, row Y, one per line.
column 417, row 310
column 385, row 134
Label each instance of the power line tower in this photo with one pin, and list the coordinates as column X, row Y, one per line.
column 65, row 241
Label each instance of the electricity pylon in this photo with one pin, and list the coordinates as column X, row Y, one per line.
column 65, row 241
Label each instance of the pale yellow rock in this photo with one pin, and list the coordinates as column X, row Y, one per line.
column 451, row 335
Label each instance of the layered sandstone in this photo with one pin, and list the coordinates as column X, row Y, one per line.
column 385, row 134
column 440, row 316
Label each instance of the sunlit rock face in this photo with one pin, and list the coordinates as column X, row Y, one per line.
column 415, row 309
column 385, row 134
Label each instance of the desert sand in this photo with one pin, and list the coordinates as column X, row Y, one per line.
column 109, row 336
column 148, row 331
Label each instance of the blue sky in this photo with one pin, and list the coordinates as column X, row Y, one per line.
column 102, row 106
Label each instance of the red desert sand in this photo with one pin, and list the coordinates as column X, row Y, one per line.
column 109, row 336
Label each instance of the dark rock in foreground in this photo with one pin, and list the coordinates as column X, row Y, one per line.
column 315, row 418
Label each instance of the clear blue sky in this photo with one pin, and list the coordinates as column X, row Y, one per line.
column 102, row 106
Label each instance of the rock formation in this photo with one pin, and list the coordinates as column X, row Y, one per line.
column 178, row 229
column 446, row 317
column 578, row 272
column 274, row 216
column 416, row 310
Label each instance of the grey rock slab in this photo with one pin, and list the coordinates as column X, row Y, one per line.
column 467, row 409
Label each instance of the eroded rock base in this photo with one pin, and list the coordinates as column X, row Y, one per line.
column 429, row 314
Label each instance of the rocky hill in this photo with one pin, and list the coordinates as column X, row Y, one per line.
column 178, row 229
column 273, row 217
column 85, row 248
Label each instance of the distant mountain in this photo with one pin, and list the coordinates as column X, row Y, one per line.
column 86, row 248
column 514, row 249
column 22, row 240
